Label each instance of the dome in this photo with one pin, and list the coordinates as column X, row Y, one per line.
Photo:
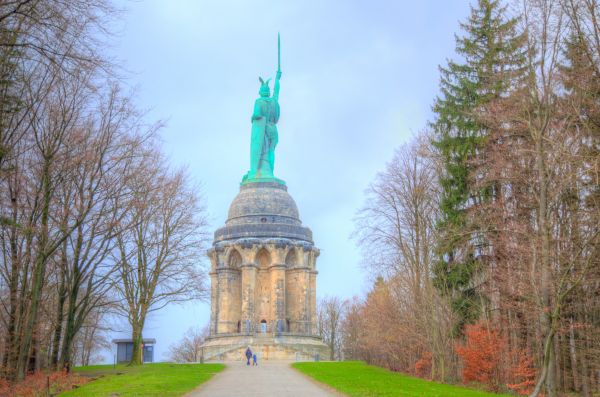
column 263, row 209
column 256, row 201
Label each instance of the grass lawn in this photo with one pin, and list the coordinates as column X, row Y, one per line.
column 356, row 378
column 161, row 379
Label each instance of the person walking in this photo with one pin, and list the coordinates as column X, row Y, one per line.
column 248, row 355
column 254, row 359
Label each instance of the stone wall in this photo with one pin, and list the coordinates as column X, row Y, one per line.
column 286, row 347
column 252, row 282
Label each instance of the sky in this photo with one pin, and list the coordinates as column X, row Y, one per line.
column 359, row 78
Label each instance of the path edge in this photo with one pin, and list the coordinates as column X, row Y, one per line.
column 203, row 384
column 322, row 385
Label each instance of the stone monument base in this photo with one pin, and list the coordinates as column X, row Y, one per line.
column 267, row 347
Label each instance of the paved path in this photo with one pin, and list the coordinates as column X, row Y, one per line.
column 269, row 378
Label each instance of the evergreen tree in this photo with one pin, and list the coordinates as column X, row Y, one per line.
column 491, row 50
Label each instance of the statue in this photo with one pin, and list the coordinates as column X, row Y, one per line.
column 264, row 136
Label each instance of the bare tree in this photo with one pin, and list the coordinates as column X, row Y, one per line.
column 330, row 314
column 159, row 246
column 91, row 338
column 396, row 231
column 46, row 166
column 49, row 58
column 101, row 153
column 37, row 38
column 189, row 348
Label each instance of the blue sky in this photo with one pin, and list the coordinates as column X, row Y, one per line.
column 358, row 80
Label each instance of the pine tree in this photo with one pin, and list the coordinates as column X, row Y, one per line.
column 491, row 49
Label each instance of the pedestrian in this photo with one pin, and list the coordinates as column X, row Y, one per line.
column 254, row 359
column 248, row 355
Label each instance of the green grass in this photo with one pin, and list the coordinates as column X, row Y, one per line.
column 356, row 378
column 162, row 379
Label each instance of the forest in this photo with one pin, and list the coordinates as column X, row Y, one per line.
column 481, row 234
column 94, row 221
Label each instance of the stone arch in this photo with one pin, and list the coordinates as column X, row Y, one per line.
column 234, row 260
column 291, row 259
column 263, row 258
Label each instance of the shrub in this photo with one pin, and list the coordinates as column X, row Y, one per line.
column 524, row 373
column 423, row 366
column 481, row 355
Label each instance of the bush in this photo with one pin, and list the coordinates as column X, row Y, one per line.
column 481, row 355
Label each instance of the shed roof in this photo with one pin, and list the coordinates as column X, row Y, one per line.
column 145, row 341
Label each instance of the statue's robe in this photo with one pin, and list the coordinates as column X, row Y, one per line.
column 264, row 137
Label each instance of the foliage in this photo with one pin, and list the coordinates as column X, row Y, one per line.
column 490, row 46
column 481, row 355
column 524, row 374
column 516, row 184
column 40, row 383
column 147, row 380
column 354, row 378
column 403, row 315
column 423, row 366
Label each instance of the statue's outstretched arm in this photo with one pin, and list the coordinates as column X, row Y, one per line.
column 276, row 88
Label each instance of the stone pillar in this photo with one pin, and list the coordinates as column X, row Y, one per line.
column 312, row 311
column 313, row 290
column 214, row 299
column 278, row 297
column 214, row 288
column 248, row 285
column 278, row 303
column 228, row 297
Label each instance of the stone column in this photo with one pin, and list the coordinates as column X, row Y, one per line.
column 227, row 285
column 248, row 285
column 312, row 311
column 214, row 288
column 214, row 299
column 278, row 297
column 313, row 290
column 278, row 303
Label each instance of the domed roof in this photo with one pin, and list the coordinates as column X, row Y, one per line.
column 263, row 199
column 263, row 209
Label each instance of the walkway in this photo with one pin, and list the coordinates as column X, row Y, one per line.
column 269, row 378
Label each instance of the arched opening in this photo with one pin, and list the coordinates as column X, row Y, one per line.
column 239, row 327
column 287, row 325
column 235, row 259
column 291, row 258
column 263, row 326
column 263, row 258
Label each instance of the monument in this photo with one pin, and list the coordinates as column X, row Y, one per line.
column 263, row 261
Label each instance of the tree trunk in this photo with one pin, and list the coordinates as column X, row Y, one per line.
column 548, row 348
column 585, row 376
column 546, row 276
column 59, row 321
column 70, row 330
column 573, row 353
column 136, row 336
column 10, row 347
column 39, row 273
